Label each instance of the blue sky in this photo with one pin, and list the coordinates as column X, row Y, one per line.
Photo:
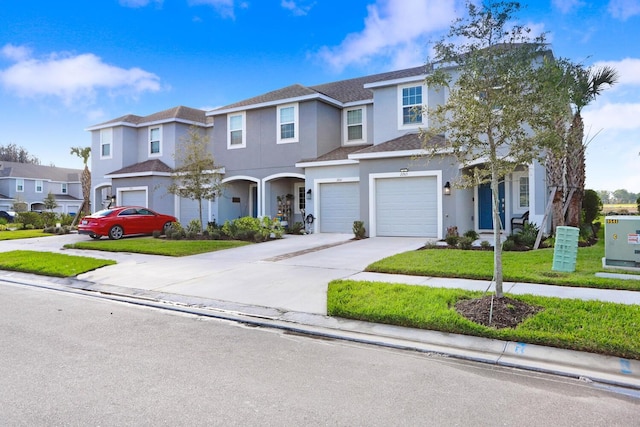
column 67, row 65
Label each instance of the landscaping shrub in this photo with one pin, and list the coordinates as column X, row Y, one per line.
column 485, row 245
column 66, row 219
column 49, row 218
column 509, row 244
column 296, row 228
column 466, row 242
column 527, row 237
column 359, row 230
column 32, row 219
column 194, row 226
column 452, row 240
column 472, row 234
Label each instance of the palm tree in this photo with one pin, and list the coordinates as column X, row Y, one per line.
column 84, row 154
column 587, row 84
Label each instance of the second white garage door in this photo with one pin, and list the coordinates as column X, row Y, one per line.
column 407, row 206
column 132, row 198
column 339, row 207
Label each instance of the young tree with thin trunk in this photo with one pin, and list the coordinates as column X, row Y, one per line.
column 85, row 180
column 195, row 176
column 495, row 98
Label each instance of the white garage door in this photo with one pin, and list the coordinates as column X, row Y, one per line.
column 339, row 207
column 407, row 206
column 133, row 198
column 189, row 211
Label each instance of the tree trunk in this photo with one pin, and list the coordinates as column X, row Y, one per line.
column 555, row 179
column 86, row 191
column 497, row 226
column 575, row 167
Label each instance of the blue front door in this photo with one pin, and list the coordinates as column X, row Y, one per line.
column 485, row 215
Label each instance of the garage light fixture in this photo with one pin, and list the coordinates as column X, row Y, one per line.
column 447, row 189
column 309, row 194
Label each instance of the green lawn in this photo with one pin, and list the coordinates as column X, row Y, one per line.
column 593, row 326
column 530, row 266
column 49, row 263
column 22, row 234
column 152, row 246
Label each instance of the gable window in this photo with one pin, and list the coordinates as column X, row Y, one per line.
column 106, row 137
column 155, row 141
column 19, row 185
column 355, row 125
column 38, row 186
column 236, row 137
column 287, row 123
column 64, row 188
column 411, row 105
column 523, row 190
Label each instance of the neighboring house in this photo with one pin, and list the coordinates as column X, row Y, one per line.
column 342, row 151
column 32, row 184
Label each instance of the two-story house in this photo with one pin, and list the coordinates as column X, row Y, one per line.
column 31, row 184
column 341, row 151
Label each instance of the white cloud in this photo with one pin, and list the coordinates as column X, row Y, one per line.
column 624, row 9
column 298, row 8
column 73, row 78
column 139, row 3
column 392, row 26
column 226, row 8
column 620, row 116
column 628, row 71
column 15, row 53
column 566, row 6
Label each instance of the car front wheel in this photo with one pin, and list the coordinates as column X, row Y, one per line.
column 116, row 232
column 166, row 227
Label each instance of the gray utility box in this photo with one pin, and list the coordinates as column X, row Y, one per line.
column 622, row 241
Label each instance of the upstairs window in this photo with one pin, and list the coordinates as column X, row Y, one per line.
column 355, row 125
column 106, row 138
column 38, row 186
column 19, row 185
column 411, row 106
column 155, row 141
column 287, row 123
column 64, row 188
column 236, row 137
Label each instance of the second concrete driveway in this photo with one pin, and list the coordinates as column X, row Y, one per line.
column 289, row 274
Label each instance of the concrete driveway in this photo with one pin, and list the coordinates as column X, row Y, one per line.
column 289, row 274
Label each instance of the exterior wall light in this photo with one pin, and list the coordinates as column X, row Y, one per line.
column 309, row 194
column 447, row 189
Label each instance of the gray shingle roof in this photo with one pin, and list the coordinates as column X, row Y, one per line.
column 179, row 112
column 154, row 165
column 31, row 171
column 409, row 141
column 344, row 91
column 341, row 153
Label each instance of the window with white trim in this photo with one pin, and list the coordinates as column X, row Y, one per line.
column 39, row 186
column 355, row 125
column 411, row 105
column 19, row 185
column 64, row 188
column 287, row 123
column 155, row 141
column 236, row 135
column 523, row 192
column 300, row 200
column 106, row 139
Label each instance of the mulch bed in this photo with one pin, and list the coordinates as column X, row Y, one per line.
column 505, row 313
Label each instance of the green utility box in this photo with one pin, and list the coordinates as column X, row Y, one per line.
column 565, row 250
column 622, row 241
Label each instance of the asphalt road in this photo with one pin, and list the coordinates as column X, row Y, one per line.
column 68, row 359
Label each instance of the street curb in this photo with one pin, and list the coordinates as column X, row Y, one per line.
column 569, row 363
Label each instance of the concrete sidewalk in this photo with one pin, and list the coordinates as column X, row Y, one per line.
column 283, row 284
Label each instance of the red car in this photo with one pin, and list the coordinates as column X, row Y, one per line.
column 124, row 220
